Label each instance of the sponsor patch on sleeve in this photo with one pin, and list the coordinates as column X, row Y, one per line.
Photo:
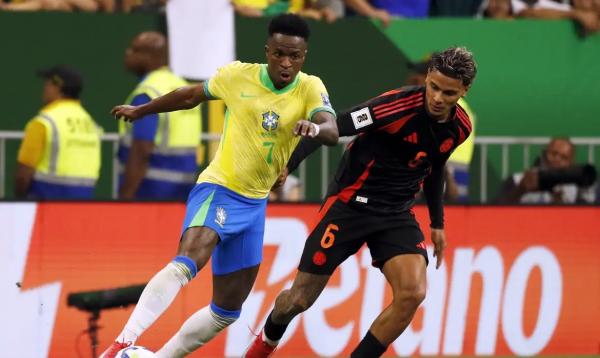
column 361, row 118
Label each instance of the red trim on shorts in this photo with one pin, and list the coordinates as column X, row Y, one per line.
column 323, row 211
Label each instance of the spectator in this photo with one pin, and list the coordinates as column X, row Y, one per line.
column 157, row 155
column 59, row 157
column 60, row 5
column 526, row 188
column 250, row 8
column 364, row 8
column 457, row 166
column 540, row 9
column 327, row 10
column 409, row 9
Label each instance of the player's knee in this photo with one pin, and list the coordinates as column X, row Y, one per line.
column 222, row 317
column 184, row 268
column 409, row 298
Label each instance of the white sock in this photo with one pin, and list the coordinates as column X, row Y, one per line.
column 267, row 340
column 156, row 297
column 200, row 328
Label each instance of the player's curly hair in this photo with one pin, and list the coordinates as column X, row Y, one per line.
column 455, row 62
column 289, row 24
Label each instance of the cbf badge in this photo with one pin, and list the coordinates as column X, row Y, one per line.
column 270, row 121
column 220, row 216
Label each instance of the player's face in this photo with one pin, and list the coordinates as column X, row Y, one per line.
column 285, row 57
column 442, row 93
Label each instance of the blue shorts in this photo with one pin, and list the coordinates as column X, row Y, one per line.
column 239, row 221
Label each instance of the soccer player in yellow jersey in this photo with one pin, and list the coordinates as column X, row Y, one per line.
column 269, row 107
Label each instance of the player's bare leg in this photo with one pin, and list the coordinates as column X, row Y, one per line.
column 407, row 276
column 198, row 244
column 231, row 290
column 304, row 292
column 289, row 303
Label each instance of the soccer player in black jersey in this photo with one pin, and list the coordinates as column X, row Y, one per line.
column 404, row 137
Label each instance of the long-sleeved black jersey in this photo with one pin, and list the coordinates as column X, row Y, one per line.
column 398, row 148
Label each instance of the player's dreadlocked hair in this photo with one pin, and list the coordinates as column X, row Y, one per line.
column 289, row 24
column 455, row 62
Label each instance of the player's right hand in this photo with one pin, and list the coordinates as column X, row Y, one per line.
column 125, row 112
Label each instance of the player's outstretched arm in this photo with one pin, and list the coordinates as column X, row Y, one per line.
column 182, row 98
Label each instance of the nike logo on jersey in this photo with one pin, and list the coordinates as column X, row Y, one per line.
column 244, row 95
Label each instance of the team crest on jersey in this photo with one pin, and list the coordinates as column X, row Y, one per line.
column 221, row 216
column 446, row 145
column 270, row 121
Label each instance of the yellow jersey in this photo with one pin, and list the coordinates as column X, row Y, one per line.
column 257, row 138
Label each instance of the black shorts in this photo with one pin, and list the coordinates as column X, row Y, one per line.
column 341, row 231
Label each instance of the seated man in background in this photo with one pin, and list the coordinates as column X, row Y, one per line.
column 554, row 179
column 59, row 157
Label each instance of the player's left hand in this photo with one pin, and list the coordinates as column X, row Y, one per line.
column 438, row 237
column 280, row 179
column 306, row 128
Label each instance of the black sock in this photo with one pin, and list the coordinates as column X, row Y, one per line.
column 274, row 331
column 369, row 347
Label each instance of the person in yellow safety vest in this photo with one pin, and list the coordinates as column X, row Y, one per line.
column 457, row 166
column 59, row 157
column 157, row 156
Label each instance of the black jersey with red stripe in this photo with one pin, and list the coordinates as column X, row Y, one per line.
column 398, row 147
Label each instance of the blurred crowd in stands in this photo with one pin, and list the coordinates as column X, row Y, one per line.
column 585, row 13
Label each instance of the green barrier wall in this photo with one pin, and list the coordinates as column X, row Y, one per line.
column 536, row 77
